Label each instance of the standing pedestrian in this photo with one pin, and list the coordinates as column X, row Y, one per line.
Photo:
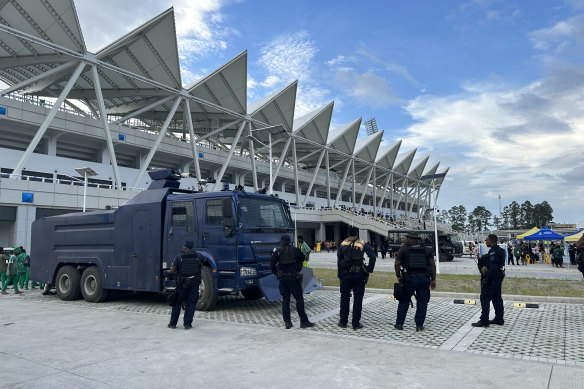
column 416, row 271
column 559, row 255
column 12, row 272
column 580, row 254
column 3, row 267
column 353, row 275
column 187, row 268
column 286, row 264
column 303, row 246
column 510, row 254
column 492, row 268
column 517, row 254
column 383, row 249
column 21, row 267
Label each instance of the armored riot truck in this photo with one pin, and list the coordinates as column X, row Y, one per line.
column 446, row 248
column 129, row 248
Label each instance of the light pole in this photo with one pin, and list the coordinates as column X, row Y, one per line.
column 433, row 177
column 86, row 172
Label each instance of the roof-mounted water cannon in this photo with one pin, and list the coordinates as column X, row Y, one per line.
column 164, row 178
column 203, row 183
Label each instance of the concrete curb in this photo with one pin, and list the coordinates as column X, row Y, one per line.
column 476, row 296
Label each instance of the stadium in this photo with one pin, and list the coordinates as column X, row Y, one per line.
column 124, row 110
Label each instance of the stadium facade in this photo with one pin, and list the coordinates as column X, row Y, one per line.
column 124, row 109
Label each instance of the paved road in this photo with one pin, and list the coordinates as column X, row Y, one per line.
column 464, row 265
column 125, row 344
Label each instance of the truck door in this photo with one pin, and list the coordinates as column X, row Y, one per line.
column 180, row 227
column 144, row 267
column 220, row 242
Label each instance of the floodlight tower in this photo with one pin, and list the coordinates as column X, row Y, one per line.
column 371, row 126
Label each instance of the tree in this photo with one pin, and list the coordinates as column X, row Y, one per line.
column 542, row 214
column 511, row 216
column 457, row 218
column 526, row 215
column 497, row 222
column 479, row 218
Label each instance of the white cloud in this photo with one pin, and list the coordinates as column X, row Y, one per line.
column 557, row 36
column 289, row 57
column 367, row 88
column 270, row 81
column 523, row 142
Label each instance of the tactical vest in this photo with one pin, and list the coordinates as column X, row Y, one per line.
column 190, row 265
column 287, row 256
column 353, row 254
column 417, row 258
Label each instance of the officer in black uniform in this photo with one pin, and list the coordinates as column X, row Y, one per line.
column 416, row 271
column 286, row 264
column 353, row 274
column 187, row 267
column 492, row 268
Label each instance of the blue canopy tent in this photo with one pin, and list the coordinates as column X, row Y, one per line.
column 544, row 234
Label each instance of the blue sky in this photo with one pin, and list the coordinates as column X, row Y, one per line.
column 493, row 89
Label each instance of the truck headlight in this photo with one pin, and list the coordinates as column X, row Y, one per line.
column 247, row 271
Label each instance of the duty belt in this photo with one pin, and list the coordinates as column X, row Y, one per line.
column 355, row 269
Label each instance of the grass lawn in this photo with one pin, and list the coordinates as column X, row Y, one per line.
column 471, row 284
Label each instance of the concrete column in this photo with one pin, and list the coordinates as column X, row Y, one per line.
column 105, row 156
column 321, row 233
column 25, row 215
column 364, row 234
column 337, row 233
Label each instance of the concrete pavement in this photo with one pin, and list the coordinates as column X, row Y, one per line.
column 125, row 343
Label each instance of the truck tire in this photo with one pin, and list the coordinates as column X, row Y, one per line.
column 252, row 293
column 67, row 283
column 92, row 285
column 207, row 292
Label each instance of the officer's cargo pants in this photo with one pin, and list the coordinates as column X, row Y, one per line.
column 356, row 283
column 189, row 294
column 290, row 285
column 492, row 292
column 420, row 285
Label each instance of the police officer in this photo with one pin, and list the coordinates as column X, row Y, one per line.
column 187, row 267
column 353, row 274
column 492, row 268
column 416, row 271
column 286, row 264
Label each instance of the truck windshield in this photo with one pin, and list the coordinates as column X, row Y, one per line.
column 263, row 213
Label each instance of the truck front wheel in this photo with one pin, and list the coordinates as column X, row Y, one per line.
column 92, row 286
column 67, row 283
column 207, row 291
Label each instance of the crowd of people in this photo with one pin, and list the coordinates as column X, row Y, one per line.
column 15, row 270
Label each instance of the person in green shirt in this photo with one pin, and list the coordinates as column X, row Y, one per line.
column 3, row 267
column 517, row 254
column 559, row 256
column 12, row 274
column 303, row 246
column 21, row 267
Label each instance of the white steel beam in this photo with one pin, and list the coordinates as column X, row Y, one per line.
column 328, row 181
column 384, row 190
column 366, row 188
column 281, row 162
column 49, row 73
column 43, row 128
column 187, row 108
column 296, row 187
column 158, row 140
column 229, row 155
column 316, row 169
column 345, row 174
column 254, row 172
column 206, row 136
column 374, row 191
column 106, row 128
column 144, row 109
column 354, row 191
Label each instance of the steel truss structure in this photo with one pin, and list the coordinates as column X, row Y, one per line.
column 136, row 81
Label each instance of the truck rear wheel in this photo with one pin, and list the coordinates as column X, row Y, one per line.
column 207, row 292
column 252, row 293
column 92, row 286
column 67, row 283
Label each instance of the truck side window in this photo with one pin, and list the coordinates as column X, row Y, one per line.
column 215, row 212
column 183, row 215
